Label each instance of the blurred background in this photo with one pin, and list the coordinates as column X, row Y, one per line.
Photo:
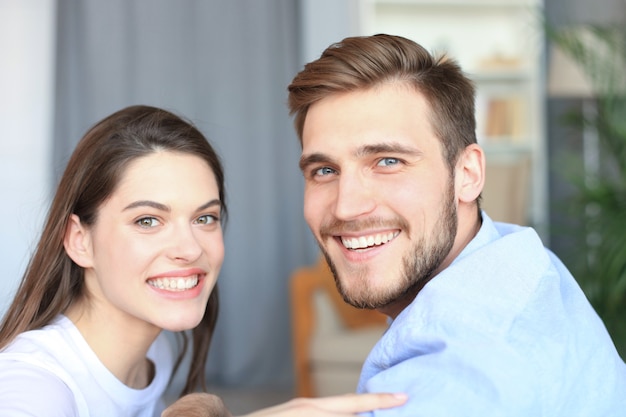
column 225, row 65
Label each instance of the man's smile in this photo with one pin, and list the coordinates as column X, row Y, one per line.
column 363, row 242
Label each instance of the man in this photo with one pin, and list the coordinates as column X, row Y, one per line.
column 484, row 320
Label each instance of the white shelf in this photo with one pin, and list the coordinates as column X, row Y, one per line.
column 499, row 44
column 506, row 76
column 458, row 3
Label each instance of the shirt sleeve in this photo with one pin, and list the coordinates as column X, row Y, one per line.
column 472, row 379
column 27, row 390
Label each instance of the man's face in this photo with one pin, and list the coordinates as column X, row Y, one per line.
column 379, row 197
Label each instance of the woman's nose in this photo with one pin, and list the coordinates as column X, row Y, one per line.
column 184, row 244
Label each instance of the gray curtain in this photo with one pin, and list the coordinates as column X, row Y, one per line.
column 225, row 65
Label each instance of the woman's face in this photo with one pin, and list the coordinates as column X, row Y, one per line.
column 156, row 248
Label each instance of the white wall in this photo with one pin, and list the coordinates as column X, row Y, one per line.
column 325, row 22
column 26, row 87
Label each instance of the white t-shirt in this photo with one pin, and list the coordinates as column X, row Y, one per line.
column 53, row 372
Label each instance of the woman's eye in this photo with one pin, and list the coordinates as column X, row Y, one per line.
column 207, row 219
column 147, row 222
column 323, row 171
column 386, row 162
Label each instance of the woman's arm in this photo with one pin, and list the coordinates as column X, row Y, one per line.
column 208, row 405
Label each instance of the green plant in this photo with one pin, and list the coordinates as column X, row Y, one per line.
column 599, row 195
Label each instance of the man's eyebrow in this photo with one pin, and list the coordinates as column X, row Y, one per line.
column 163, row 207
column 314, row 158
column 378, row 148
column 392, row 147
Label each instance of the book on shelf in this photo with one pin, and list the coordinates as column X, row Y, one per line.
column 504, row 118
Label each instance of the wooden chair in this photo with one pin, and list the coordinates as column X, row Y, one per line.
column 326, row 329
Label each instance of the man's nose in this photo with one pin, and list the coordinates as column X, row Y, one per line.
column 355, row 197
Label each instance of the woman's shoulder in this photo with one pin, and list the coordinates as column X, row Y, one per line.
column 27, row 389
column 48, row 360
column 46, row 339
column 43, row 355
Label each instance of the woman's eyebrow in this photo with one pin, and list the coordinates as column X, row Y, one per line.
column 147, row 203
column 214, row 202
column 163, row 207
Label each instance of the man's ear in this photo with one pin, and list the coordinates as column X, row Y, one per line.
column 470, row 174
column 77, row 242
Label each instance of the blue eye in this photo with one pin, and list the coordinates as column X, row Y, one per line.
column 324, row 171
column 147, row 222
column 388, row 162
column 207, row 219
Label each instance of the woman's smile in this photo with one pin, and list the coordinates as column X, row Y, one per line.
column 174, row 283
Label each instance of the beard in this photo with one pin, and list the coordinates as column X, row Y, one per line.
column 418, row 265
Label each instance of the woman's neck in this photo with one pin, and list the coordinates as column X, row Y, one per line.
column 119, row 341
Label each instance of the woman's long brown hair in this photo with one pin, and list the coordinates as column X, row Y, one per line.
column 52, row 281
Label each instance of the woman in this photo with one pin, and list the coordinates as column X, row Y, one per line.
column 132, row 245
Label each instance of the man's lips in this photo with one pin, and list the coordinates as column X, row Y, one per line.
column 367, row 241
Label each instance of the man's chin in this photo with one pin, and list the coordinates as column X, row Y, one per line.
column 366, row 297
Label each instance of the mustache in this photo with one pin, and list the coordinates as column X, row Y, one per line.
column 335, row 227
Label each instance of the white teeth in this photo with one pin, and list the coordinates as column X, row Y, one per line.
column 368, row 241
column 174, row 284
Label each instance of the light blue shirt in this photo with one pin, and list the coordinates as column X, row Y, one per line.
column 505, row 330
